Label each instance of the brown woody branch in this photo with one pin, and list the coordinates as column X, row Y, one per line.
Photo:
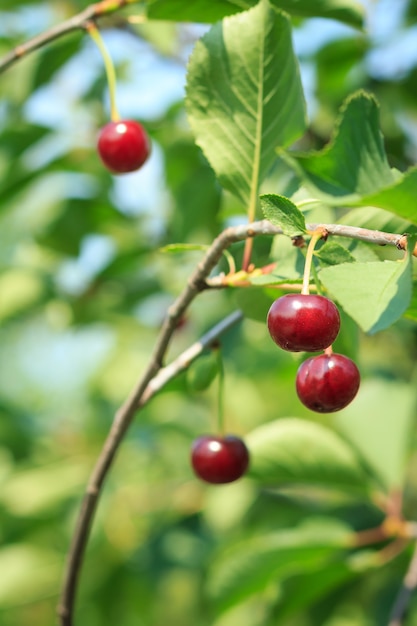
column 155, row 377
column 77, row 22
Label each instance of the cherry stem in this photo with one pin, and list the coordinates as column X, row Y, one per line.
column 309, row 258
column 329, row 351
column 95, row 34
column 220, row 393
column 230, row 261
column 247, row 253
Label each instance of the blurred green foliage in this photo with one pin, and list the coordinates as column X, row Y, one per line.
column 84, row 289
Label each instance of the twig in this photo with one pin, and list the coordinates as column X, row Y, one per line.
column 184, row 360
column 127, row 411
column 408, row 587
column 77, row 22
column 153, row 379
column 181, row 363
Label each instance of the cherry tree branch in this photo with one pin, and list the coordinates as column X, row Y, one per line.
column 408, row 587
column 77, row 22
column 155, row 377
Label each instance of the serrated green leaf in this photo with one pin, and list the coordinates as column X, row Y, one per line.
column 347, row 11
column 379, row 425
column 353, row 170
column 399, row 197
column 354, row 163
column 374, row 294
column 295, row 451
column 332, row 253
column 248, row 567
column 244, row 97
column 283, row 213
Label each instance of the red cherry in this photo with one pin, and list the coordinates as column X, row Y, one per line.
column 299, row 322
column 327, row 382
column 218, row 459
column 123, row 146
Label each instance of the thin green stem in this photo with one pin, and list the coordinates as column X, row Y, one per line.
column 309, row 258
column 109, row 67
column 220, row 393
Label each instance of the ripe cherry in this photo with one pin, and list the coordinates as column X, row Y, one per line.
column 327, row 382
column 123, row 146
column 218, row 459
column 301, row 322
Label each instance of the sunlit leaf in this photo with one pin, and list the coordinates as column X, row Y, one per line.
column 354, row 163
column 244, row 97
column 281, row 212
column 374, row 294
column 295, row 451
column 332, row 253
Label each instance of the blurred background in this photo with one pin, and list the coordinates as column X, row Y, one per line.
column 84, row 287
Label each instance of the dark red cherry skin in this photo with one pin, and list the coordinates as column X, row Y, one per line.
column 299, row 322
column 219, row 460
column 123, row 146
column 327, row 383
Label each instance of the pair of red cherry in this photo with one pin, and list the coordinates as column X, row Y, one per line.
column 310, row 323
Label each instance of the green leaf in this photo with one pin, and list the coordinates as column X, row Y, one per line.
column 353, row 170
column 244, row 97
column 332, row 253
column 374, row 294
column 379, row 425
column 248, row 567
column 206, row 11
column 295, row 451
column 347, row 11
column 411, row 312
column 354, row 163
column 281, row 212
column 399, row 197
column 376, row 219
